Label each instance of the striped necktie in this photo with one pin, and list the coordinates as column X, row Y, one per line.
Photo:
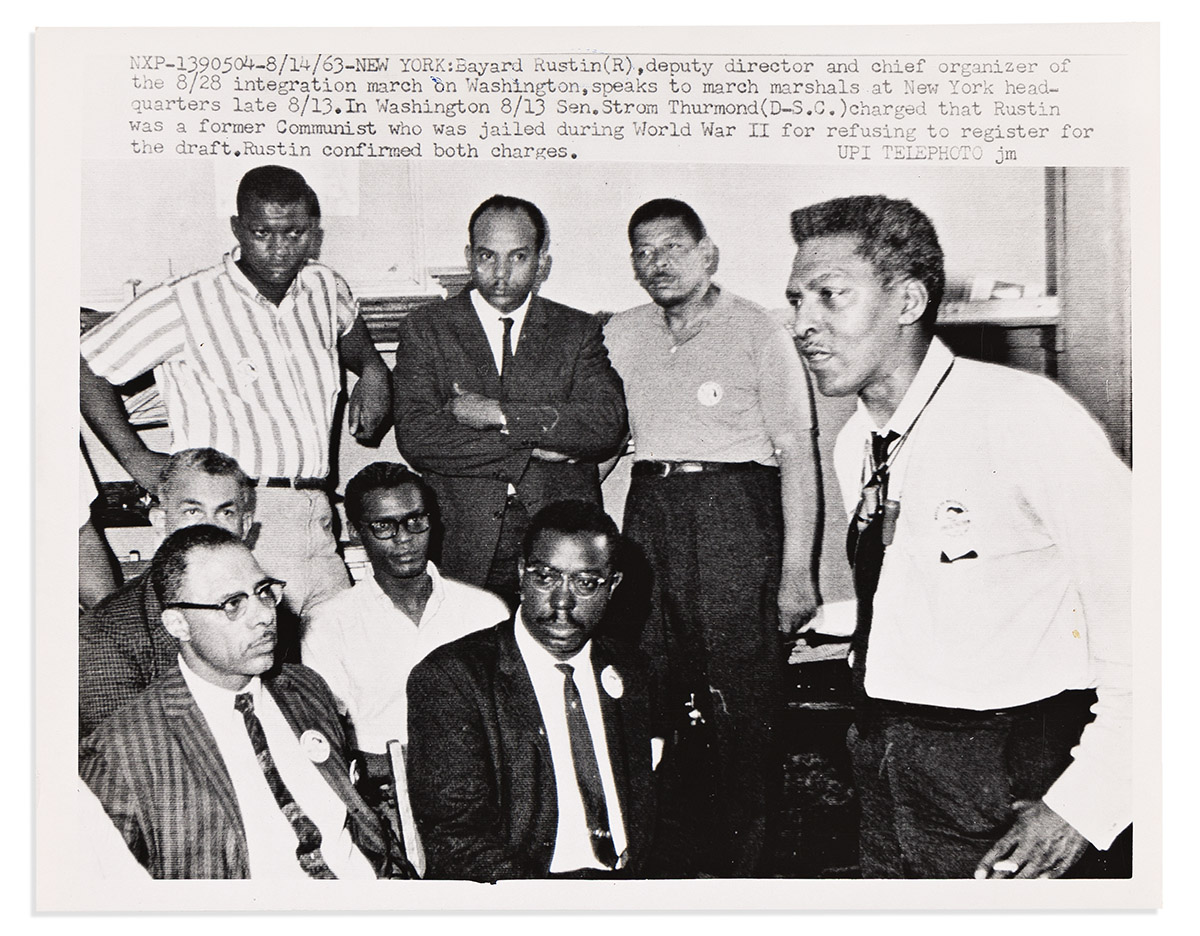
column 308, row 849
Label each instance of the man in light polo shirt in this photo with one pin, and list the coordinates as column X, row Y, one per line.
column 722, row 502
column 246, row 355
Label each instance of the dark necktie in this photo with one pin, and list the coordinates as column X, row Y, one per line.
column 506, row 357
column 308, row 849
column 587, row 771
column 865, row 545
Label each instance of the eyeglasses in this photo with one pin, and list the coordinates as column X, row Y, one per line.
column 387, row 529
column 269, row 594
column 546, row 578
column 672, row 251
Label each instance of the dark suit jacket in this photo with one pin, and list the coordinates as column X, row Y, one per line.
column 155, row 767
column 481, row 780
column 562, row 394
column 123, row 647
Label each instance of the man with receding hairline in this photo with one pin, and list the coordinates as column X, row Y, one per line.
column 247, row 357
column 227, row 767
column 723, row 504
column 122, row 644
column 504, row 400
column 989, row 536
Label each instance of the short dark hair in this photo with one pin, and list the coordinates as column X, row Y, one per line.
column 383, row 476
column 210, row 462
column 169, row 566
column 541, row 229
column 670, row 209
column 279, row 186
column 572, row 516
column 896, row 237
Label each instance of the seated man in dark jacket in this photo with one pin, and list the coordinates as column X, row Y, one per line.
column 530, row 751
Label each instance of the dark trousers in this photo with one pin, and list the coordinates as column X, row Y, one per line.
column 710, row 547
column 936, row 786
column 502, row 577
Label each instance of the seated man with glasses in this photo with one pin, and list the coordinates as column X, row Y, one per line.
column 123, row 646
column 530, row 750
column 226, row 767
column 366, row 640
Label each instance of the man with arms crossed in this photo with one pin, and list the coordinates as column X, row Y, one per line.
column 990, row 528
column 220, row 770
column 246, row 355
column 504, row 400
column 530, row 747
column 723, row 503
column 123, row 646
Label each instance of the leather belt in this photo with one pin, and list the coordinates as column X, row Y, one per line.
column 650, row 468
column 887, row 708
column 299, row 484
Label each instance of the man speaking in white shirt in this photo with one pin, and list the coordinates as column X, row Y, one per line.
column 989, row 534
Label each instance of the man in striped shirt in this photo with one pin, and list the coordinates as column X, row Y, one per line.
column 247, row 356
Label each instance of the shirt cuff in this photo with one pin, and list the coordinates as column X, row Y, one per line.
column 1097, row 810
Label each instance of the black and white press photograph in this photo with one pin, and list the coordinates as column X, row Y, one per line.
column 699, row 525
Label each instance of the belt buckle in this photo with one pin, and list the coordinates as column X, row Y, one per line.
column 665, row 468
column 689, row 467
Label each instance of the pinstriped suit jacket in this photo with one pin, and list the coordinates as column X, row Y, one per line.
column 155, row 767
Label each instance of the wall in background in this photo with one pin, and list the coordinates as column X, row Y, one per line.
column 157, row 219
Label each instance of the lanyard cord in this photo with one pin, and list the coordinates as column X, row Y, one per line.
column 878, row 473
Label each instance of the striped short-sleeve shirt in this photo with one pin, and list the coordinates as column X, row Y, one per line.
column 236, row 373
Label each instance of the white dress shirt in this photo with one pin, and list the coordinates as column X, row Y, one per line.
column 366, row 647
column 573, row 843
column 270, row 839
column 1008, row 580
column 490, row 318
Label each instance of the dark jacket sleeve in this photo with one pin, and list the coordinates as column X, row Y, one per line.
column 428, row 436
column 109, row 677
column 453, row 775
column 589, row 420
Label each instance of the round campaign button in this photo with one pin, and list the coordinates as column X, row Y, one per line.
column 710, row 393
column 315, row 746
column 610, row 679
column 245, row 373
column 953, row 518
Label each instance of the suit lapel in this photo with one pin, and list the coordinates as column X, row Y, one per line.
column 185, row 719
column 515, row 697
column 614, row 728
column 303, row 717
column 531, row 350
column 474, row 344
